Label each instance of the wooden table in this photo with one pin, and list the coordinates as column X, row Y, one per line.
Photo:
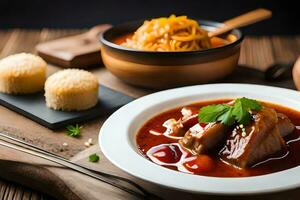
column 257, row 52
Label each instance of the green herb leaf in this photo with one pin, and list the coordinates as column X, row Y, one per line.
column 212, row 112
column 73, row 131
column 240, row 113
column 227, row 114
column 242, row 107
column 227, row 118
column 250, row 104
column 94, row 158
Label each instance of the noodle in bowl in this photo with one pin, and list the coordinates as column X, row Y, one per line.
column 169, row 34
column 152, row 62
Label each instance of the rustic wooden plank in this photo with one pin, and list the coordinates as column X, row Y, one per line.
column 286, row 49
column 256, row 52
column 3, row 190
column 50, row 34
column 26, row 194
column 18, row 193
column 7, row 191
column 11, row 191
column 20, row 41
column 35, row 196
column 4, row 35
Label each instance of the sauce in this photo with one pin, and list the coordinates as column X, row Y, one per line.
column 173, row 157
column 168, row 154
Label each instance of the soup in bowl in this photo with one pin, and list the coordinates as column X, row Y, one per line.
column 213, row 138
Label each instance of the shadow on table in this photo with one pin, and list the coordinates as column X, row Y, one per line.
column 244, row 74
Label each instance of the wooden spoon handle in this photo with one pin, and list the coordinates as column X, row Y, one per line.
column 296, row 73
column 242, row 20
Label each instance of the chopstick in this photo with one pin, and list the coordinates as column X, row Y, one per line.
column 25, row 147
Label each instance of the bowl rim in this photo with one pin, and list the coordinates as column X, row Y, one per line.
column 135, row 164
column 104, row 41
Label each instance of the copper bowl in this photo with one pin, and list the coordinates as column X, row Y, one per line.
column 152, row 69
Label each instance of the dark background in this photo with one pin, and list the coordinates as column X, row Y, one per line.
column 86, row 13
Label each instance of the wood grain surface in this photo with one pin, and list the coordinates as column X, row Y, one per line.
column 257, row 52
column 79, row 51
column 13, row 191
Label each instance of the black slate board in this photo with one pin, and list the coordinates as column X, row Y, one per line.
column 34, row 107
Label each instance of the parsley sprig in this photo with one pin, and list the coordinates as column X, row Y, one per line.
column 73, row 131
column 229, row 115
column 94, row 158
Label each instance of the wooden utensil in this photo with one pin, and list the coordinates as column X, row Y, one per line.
column 242, row 20
column 296, row 73
column 79, row 51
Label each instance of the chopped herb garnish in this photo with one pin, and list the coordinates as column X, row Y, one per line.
column 73, row 131
column 94, row 158
column 241, row 109
column 228, row 115
column 227, row 118
column 212, row 112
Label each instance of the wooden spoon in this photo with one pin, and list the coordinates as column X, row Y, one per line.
column 242, row 20
column 296, row 73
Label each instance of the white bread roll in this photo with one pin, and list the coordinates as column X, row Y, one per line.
column 22, row 73
column 71, row 90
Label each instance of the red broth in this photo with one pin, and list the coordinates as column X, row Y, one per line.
column 210, row 164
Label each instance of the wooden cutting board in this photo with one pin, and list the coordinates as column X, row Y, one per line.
column 78, row 51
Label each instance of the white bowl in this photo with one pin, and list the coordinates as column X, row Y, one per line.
column 118, row 143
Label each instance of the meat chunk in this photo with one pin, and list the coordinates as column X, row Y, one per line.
column 285, row 125
column 189, row 117
column 271, row 144
column 250, row 144
column 177, row 128
column 173, row 128
column 198, row 139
